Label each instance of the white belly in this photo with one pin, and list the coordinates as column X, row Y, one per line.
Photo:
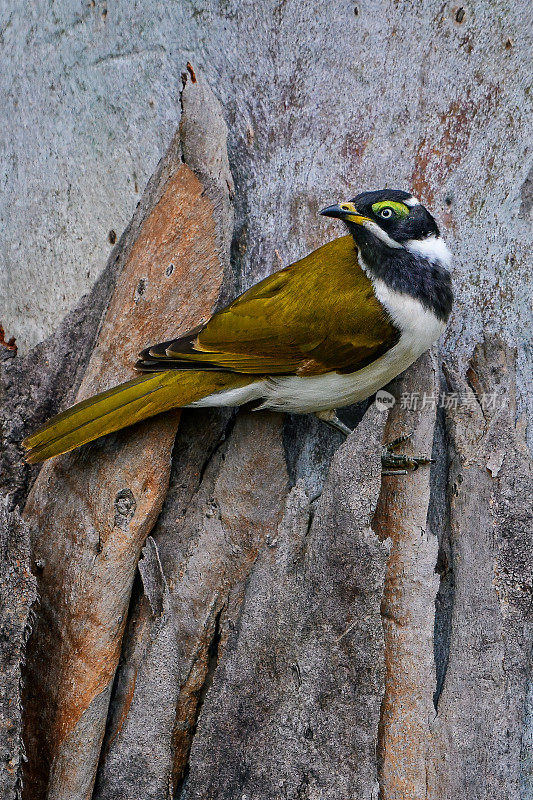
column 420, row 328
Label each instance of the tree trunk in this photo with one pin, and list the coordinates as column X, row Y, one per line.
column 237, row 605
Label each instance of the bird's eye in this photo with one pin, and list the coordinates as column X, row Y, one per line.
column 389, row 208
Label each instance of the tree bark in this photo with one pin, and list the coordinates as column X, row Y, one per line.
column 298, row 627
column 17, row 596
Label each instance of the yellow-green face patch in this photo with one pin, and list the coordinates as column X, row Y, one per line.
column 400, row 210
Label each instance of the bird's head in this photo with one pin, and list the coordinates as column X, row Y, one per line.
column 391, row 220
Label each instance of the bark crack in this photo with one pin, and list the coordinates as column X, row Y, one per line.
column 439, row 525
column 201, row 694
column 228, row 428
column 472, row 380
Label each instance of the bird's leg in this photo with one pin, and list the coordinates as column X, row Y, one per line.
column 331, row 419
column 399, row 464
column 392, row 463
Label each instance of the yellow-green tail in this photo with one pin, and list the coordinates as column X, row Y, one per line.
column 124, row 405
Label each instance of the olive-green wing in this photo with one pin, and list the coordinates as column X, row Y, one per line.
column 317, row 315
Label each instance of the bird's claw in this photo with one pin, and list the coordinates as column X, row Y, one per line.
column 400, row 464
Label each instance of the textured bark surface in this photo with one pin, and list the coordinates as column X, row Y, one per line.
column 194, row 572
column 482, row 705
column 17, row 595
column 294, row 706
column 253, row 662
column 408, row 607
column 91, row 511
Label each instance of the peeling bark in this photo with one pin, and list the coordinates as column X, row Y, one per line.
column 91, row 510
column 294, row 706
column 408, row 607
column 478, row 726
column 205, row 556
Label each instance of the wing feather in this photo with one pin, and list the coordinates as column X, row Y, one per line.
column 318, row 315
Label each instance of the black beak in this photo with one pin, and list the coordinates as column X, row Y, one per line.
column 334, row 211
column 345, row 211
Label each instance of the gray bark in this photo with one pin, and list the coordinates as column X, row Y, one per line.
column 17, row 595
column 483, row 699
column 247, row 656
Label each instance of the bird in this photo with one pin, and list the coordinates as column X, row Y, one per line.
column 325, row 332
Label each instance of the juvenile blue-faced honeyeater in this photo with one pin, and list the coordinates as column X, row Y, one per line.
column 325, row 332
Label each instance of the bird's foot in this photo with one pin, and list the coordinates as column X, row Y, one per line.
column 398, row 463
column 331, row 419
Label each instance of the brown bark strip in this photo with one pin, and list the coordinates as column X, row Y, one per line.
column 88, row 545
column 408, row 607
column 206, row 555
column 478, row 727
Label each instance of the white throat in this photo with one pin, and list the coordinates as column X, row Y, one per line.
column 432, row 247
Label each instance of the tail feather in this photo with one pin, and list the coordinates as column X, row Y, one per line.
column 124, row 405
